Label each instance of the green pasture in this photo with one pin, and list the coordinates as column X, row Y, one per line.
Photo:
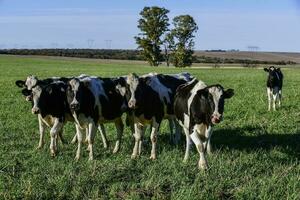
column 255, row 152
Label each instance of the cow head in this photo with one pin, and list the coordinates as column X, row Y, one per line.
column 128, row 88
column 275, row 74
column 74, row 93
column 36, row 93
column 218, row 95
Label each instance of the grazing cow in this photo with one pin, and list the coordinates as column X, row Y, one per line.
column 197, row 108
column 151, row 98
column 93, row 101
column 274, row 86
column 50, row 103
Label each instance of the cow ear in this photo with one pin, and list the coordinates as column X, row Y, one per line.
column 20, row 83
column 121, row 90
column 278, row 69
column 26, row 92
column 266, row 69
column 228, row 93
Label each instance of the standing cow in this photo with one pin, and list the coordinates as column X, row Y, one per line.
column 93, row 101
column 274, row 86
column 150, row 97
column 50, row 104
column 198, row 107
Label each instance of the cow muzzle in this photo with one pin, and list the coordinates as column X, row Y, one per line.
column 131, row 103
column 216, row 119
column 75, row 106
column 35, row 110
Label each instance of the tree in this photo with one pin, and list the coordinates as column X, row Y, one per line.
column 153, row 24
column 180, row 40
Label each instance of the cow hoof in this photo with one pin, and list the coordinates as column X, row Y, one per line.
column 153, row 157
column 105, row 146
column 86, row 141
column 53, row 154
column 185, row 160
column 39, row 147
column 133, row 156
column 116, row 150
column 91, row 158
column 203, row 165
column 76, row 158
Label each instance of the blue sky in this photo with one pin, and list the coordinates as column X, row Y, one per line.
column 272, row 25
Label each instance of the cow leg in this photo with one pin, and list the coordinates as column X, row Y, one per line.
column 154, row 131
column 86, row 135
column 269, row 93
column 120, row 129
column 202, row 164
column 171, row 126
column 188, row 142
column 56, row 128
column 280, row 97
column 275, row 96
column 62, row 139
column 177, row 132
column 79, row 141
column 103, row 135
column 142, row 139
column 74, row 139
column 207, row 145
column 91, row 136
column 137, row 136
column 42, row 133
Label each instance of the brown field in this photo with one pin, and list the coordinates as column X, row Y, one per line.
column 262, row 56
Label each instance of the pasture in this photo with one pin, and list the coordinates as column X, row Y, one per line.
column 255, row 152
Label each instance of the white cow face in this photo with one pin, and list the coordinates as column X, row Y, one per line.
column 31, row 81
column 36, row 95
column 219, row 95
column 74, row 93
column 132, row 83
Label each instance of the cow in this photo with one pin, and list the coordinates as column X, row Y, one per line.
column 31, row 81
column 50, row 104
column 198, row 108
column 274, row 86
column 94, row 100
column 150, row 97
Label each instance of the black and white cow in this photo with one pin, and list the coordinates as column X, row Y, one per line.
column 93, row 101
column 198, row 107
column 50, row 103
column 27, row 85
column 274, row 86
column 30, row 82
column 151, row 98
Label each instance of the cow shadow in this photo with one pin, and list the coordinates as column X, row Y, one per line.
column 255, row 140
column 235, row 138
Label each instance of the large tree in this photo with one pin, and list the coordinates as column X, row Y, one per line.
column 153, row 24
column 180, row 40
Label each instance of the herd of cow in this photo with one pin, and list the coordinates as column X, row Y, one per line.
column 89, row 102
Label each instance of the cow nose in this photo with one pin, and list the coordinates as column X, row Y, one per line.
column 75, row 106
column 131, row 104
column 35, row 110
column 216, row 119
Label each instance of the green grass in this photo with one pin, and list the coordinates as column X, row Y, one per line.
column 256, row 153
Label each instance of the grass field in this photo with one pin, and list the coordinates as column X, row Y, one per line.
column 256, row 153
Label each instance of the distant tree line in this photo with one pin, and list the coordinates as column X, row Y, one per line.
column 121, row 54
column 79, row 53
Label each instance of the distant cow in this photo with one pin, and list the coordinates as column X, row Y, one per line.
column 151, row 98
column 93, row 101
column 274, row 86
column 50, row 103
column 198, row 107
